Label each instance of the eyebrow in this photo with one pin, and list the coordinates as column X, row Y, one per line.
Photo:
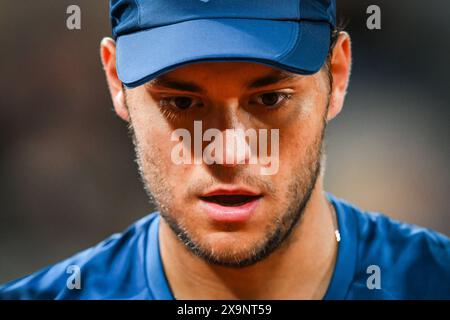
column 272, row 78
column 165, row 82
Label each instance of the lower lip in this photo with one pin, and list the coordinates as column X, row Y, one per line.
column 230, row 214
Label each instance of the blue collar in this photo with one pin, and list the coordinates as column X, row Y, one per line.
column 156, row 277
column 345, row 266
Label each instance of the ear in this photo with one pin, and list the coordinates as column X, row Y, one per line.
column 341, row 61
column 108, row 56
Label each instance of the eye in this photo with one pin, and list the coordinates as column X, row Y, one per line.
column 272, row 99
column 180, row 102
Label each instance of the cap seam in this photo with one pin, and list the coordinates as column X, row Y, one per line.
column 294, row 45
column 298, row 41
column 138, row 6
column 208, row 18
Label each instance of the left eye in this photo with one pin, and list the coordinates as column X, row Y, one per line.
column 272, row 99
column 180, row 102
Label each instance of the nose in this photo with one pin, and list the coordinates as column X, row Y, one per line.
column 236, row 149
column 236, row 145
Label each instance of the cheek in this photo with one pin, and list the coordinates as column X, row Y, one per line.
column 153, row 136
column 302, row 132
column 313, row 101
column 152, row 139
column 293, row 154
column 298, row 138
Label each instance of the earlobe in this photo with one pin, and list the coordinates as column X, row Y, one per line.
column 340, row 70
column 120, row 106
column 119, row 99
column 108, row 57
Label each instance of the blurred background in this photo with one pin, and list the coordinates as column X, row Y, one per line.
column 67, row 173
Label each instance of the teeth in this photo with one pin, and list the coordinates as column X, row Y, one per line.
column 230, row 200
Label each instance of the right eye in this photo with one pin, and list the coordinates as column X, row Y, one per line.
column 272, row 100
column 180, row 102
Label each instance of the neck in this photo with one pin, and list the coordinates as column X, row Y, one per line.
column 300, row 270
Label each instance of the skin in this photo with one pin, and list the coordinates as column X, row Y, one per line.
column 301, row 266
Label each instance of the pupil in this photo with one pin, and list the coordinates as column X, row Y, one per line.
column 183, row 102
column 269, row 99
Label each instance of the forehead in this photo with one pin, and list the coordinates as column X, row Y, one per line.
column 238, row 73
column 194, row 77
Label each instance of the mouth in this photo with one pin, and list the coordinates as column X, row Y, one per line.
column 230, row 205
column 231, row 200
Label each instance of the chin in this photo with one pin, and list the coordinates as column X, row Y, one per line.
column 230, row 245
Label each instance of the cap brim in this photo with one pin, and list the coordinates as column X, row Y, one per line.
column 299, row 47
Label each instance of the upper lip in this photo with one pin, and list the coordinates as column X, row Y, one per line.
column 234, row 190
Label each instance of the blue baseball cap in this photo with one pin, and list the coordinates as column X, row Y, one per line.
column 156, row 36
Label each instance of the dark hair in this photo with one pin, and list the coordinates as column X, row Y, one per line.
column 334, row 38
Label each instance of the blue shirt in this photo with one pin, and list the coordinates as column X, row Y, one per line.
column 378, row 258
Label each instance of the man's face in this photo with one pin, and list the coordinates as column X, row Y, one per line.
column 230, row 95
